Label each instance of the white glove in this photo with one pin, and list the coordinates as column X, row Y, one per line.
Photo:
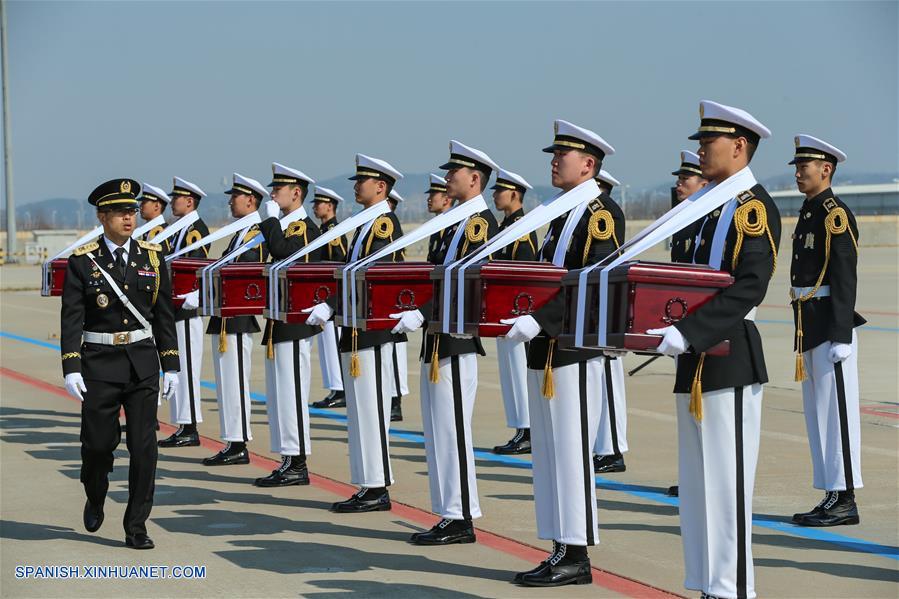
column 75, row 385
column 409, row 320
column 839, row 352
column 614, row 353
column 319, row 314
column 269, row 209
column 524, row 328
column 673, row 342
column 169, row 385
column 191, row 300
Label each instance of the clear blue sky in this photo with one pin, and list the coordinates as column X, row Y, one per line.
column 155, row 89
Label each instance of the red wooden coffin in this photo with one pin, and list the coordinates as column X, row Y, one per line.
column 387, row 288
column 497, row 290
column 184, row 276
column 240, row 289
column 56, row 277
column 641, row 296
column 304, row 285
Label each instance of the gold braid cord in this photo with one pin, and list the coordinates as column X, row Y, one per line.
column 193, row 237
column 475, row 232
column 835, row 223
column 168, row 352
column 355, row 365
column 223, row 338
column 753, row 227
column 70, row 355
column 696, row 390
column 601, row 228
column 549, row 386
column 154, row 262
column 270, row 345
column 296, row 229
column 382, row 229
column 434, row 374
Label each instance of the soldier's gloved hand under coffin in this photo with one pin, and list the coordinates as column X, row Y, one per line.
column 318, row 314
column 75, row 385
column 839, row 352
column 409, row 320
column 673, row 342
column 169, row 385
column 524, row 328
column 191, row 300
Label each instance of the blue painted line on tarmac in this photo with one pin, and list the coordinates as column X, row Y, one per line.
column 815, row 534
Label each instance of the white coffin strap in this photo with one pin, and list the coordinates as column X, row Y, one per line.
column 122, row 297
column 367, row 215
column 695, row 207
column 544, row 213
column 720, row 237
column 177, row 226
column 247, row 221
column 441, row 221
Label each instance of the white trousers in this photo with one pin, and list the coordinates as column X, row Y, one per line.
column 830, row 402
column 329, row 358
column 232, row 385
column 400, row 378
column 184, row 407
column 611, row 439
column 513, row 381
column 563, row 431
column 446, row 410
column 287, row 379
column 717, row 459
column 368, row 416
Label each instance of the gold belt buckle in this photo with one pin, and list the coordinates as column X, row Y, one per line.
column 121, row 338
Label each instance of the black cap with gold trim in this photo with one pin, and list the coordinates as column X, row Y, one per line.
column 374, row 168
column 569, row 136
column 116, row 194
column 812, row 148
column 689, row 164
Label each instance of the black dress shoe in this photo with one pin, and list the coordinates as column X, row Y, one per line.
column 292, row 471
column 608, row 464
column 815, row 510
column 839, row 510
column 233, row 453
column 569, row 565
column 139, row 541
column 335, row 399
column 93, row 517
column 447, row 532
column 521, row 575
column 520, row 443
column 181, row 438
column 366, row 500
column 396, row 409
column 673, row 491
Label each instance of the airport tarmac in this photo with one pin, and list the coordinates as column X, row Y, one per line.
column 256, row 542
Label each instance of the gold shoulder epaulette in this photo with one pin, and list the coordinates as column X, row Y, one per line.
column 745, row 196
column 250, row 235
column 87, row 247
column 296, row 228
column 383, row 227
column 336, row 242
column 155, row 247
column 476, row 229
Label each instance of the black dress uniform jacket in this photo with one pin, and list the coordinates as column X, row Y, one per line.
column 336, row 250
column 240, row 324
column 195, row 232
column 385, row 230
column 826, row 318
column 165, row 246
column 723, row 316
column 89, row 304
column 281, row 244
column 682, row 243
column 591, row 241
column 449, row 345
column 524, row 249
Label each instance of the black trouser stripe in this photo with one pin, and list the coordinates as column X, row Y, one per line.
column 298, row 395
column 460, row 437
column 741, row 501
column 610, row 400
column 844, row 426
column 339, row 354
column 586, row 452
column 396, row 373
column 243, row 397
column 385, row 457
column 190, row 373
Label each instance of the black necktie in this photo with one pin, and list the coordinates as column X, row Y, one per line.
column 120, row 260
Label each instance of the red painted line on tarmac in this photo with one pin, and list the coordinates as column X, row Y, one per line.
column 602, row 578
column 875, row 412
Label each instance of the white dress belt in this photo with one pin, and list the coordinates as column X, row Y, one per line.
column 823, row 291
column 123, row 338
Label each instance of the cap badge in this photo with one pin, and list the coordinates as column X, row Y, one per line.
column 125, row 187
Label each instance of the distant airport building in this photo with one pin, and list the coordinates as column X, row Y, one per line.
column 879, row 198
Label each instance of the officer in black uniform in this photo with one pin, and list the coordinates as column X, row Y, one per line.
column 400, row 344
column 689, row 181
column 117, row 332
column 232, row 385
column 185, row 406
column 325, row 202
column 287, row 360
column 153, row 202
column 824, row 281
